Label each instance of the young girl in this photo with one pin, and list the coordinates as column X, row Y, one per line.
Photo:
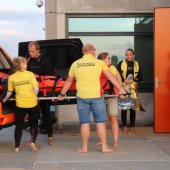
column 25, row 86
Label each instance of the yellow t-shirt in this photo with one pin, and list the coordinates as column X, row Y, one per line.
column 23, row 82
column 87, row 71
column 113, row 70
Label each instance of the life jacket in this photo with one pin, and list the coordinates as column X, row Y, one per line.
column 124, row 69
column 106, row 85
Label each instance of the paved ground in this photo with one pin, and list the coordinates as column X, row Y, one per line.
column 144, row 151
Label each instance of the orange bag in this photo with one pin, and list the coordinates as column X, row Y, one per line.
column 52, row 84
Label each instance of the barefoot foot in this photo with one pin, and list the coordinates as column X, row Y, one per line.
column 33, row 147
column 133, row 131
column 82, row 150
column 50, row 141
column 106, row 150
column 115, row 145
column 124, row 130
column 16, row 150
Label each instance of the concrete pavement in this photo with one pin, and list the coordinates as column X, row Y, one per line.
column 144, row 151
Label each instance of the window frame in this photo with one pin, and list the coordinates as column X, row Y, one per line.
column 143, row 86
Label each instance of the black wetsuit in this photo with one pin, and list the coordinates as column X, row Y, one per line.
column 42, row 66
column 130, row 70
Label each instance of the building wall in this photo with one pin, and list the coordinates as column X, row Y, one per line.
column 56, row 11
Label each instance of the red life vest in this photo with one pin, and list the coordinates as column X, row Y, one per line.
column 106, row 85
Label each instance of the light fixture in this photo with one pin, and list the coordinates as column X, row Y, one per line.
column 39, row 3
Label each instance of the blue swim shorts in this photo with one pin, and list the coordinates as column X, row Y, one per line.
column 95, row 105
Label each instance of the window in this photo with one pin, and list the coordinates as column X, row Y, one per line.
column 4, row 63
column 115, row 34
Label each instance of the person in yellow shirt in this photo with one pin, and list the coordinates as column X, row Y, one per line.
column 87, row 71
column 25, row 86
column 111, row 103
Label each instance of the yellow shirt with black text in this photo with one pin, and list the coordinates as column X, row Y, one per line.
column 87, row 71
column 23, row 83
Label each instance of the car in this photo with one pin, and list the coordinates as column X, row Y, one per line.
column 6, row 109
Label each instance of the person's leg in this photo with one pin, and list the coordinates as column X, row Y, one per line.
column 85, row 134
column 83, row 109
column 33, row 119
column 98, row 107
column 112, row 111
column 124, row 120
column 17, row 137
column 132, row 120
column 101, row 131
column 46, row 116
column 19, row 123
column 114, row 129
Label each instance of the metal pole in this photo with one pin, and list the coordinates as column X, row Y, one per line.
column 66, row 98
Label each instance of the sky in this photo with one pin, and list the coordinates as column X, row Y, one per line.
column 20, row 20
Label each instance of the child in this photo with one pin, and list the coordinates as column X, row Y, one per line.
column 25, row 86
